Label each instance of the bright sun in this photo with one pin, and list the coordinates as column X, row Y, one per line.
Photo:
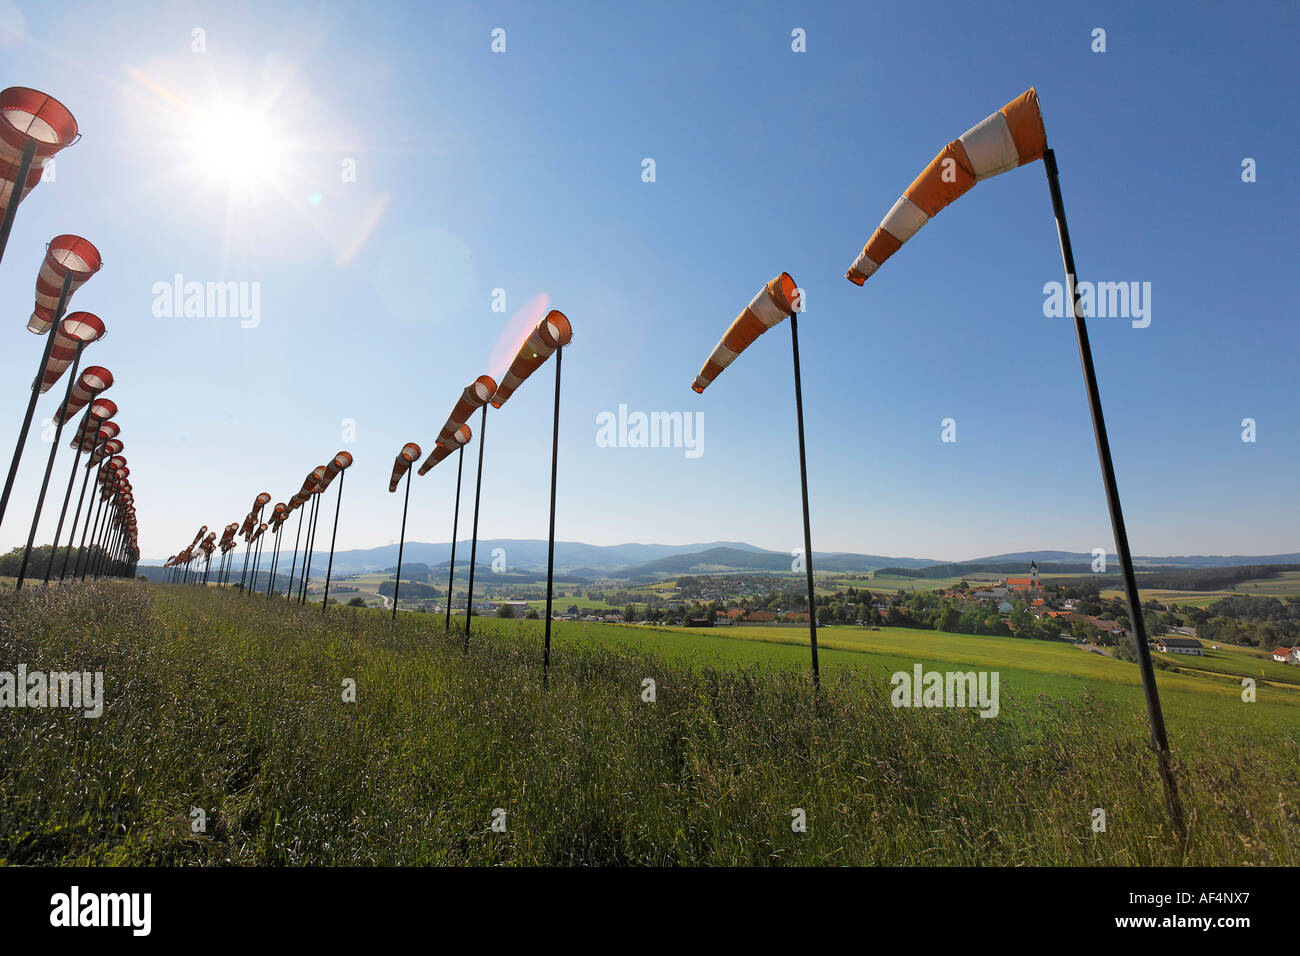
column 236, row 146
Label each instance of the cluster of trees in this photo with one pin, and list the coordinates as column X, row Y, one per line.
column 1247, row 620
column 410, row 589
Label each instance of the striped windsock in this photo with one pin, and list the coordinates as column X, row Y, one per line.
column 477, row 394
column 94, row 425
column 1009, row 138
column 198, row 537
column 65, row 254
column 410, row 451
column 776, row 300
column 312, row 482
column 108, row 449
column 29, row 115
column 77, row 329
column 554, row 331
column 278, row 514
column 340, row 461
column 258, row 533
column 90, row 383
column 445, row 446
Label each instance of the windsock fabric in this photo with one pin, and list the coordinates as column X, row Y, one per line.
column 313, row 482
column 340, row 461
column 90, row 383
column 410, row 451
column 554, row 331
column 94, row 428
column 111, row 447
column 260, row 528
column 77, row 329
column 442, row 448
column 1011, row 137
column 66, row 254
column 29, row 115
column 477, row 394
column 776, row 300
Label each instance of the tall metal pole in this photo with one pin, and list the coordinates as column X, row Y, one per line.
column 473, row 547
column 243, row 571
column 401, row 542
column 338, row 504
column 1154, row 713
column 257, row 559
column 82, row 560
column 275, row 559
column 288, row 591
column 49, row 466
column 20, row 186
column 36, row 391
column 76, row 516
column 455, row 522
column 311, row 541
column 550, row 547
column 803, row 478
column 67, row 496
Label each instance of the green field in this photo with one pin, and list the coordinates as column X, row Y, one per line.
column 233, row 705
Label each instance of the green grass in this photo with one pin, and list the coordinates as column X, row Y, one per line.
column 234, row 705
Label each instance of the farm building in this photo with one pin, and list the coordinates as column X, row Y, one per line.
column 1287, row 655
column 1179, row 645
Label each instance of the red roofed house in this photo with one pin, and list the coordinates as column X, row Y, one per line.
column 1022, row 584
column 760, row 617
column 1287, row 655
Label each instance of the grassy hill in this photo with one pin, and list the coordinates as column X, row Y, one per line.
column 235, row 705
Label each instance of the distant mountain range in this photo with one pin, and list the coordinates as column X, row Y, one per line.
column 650, row 561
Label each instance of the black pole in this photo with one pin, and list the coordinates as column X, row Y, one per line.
column 76, row 517
column 401, row 542
column 455, row 522
column 550, row 547
column 288, row 591
column 1158, row 735
column 338, row 504
column 243, row 571
column 20, row 186
column 49, row 466
column 311, row 541
column 257, row 559
column 803, row 478
column 275, row 559
column 83, row 567
column 64, row 291
column 473, row 547
column 67, row 495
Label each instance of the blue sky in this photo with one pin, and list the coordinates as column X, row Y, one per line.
column 523, row 171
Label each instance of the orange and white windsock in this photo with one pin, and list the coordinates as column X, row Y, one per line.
column 64, row 255
column 258, row 533
column 76, row 330
column 1011, row 137
column 339, row 462
column 553, row 332
column 445, row 446
column 109, row 448
column 278, row 514
column 312, row 481
column 198, row 537
column 94, row 428
column 89, row 384
column 776, row 300
column 402, row 464
column 477, row 394
column 29, row 116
